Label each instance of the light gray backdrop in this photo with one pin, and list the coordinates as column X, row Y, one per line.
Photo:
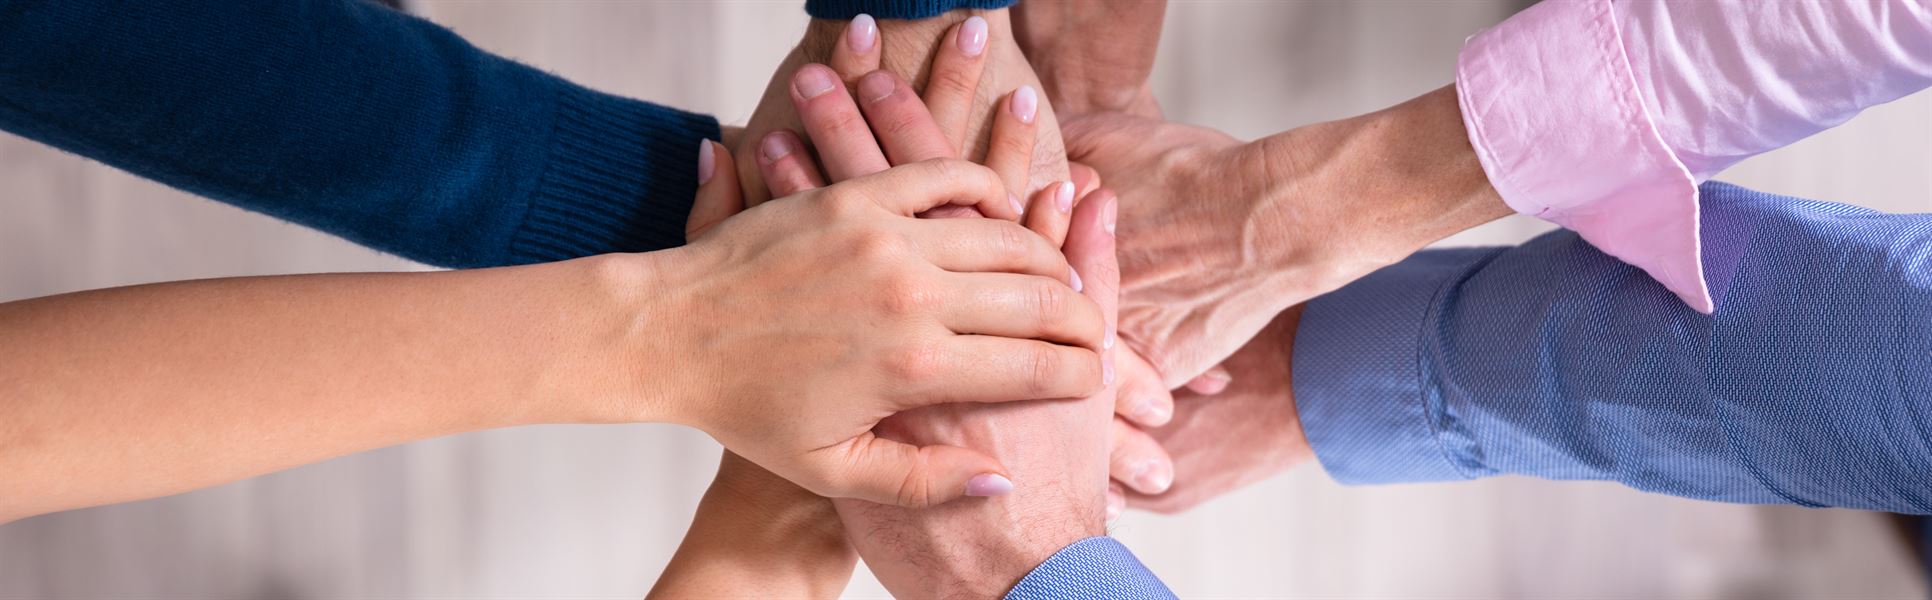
column 596, row 511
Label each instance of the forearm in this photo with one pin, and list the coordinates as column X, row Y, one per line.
column 759, row 537
column 1103, row 68
column 1409, row 176
column 1555, row 360
column 136, row 392
column 354, row 119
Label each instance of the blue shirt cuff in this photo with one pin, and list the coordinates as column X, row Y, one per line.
column 1358, row 375
column 1097, row 567
column 895, row 9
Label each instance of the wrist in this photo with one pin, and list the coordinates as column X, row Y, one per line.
column 1404, row 177
column 619, row 365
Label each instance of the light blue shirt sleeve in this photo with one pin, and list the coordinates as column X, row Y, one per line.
column 1811, row 385
column 1099, row 568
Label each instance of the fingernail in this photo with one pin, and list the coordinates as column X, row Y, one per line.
column 1107, row 371
column 1026, row 104
column 707, row 163
column 972, row 36
column 990, row 484
column 1110, row 214
column 1116, row 504
column 1107, row 343
column 1152, row 476
column 1063, row 197
column 1150, row 412
column 862, row 33
column 812, row 81
column 774, row 147
column 1018, row 208
column 876, row 86
column 1073, row 279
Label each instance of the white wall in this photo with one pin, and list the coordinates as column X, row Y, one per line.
column 596, row 511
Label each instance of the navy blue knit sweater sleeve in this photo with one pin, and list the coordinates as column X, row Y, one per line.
column 895, row 9
column 353, row 119
column 1810, row 385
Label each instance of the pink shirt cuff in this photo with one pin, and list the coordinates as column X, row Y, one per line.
column 1556, row 119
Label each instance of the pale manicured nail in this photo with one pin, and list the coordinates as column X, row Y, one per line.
column 707, row 162
column 1107, row 371
column 812, row 81
column 990, row 484
column 972, row 36
column 1107, row 343
column 862, row 33
column 1073, row 279
column 1063, row 197
column 1026, row 104
column 1110, row 214
column 1018, row 208
column 1152, row 476
column 774, row 147
column 1150, row 412
column 876, row 87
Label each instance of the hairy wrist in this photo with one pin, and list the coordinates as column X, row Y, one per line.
column 1401, row 179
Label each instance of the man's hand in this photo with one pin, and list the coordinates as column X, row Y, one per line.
column 1093, row 55
column 1219, row 236
column 1219, row 443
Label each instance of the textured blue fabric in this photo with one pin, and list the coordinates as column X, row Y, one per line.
column 1811, row 385
column 354, row 119
column 895, row 9
column 1099, row 568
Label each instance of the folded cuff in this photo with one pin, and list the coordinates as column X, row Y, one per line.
column 1360, row 378
column 895, row 9
column 620, row 177
column 1556, row 119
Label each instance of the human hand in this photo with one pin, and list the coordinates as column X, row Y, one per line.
column 1056, row 504
column 1219, row 236
column 1248, row 432
column 993, row 68
column 757, row 535
column 963, row 311
column 1102, row 69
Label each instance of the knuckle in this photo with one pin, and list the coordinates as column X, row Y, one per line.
column 953, row 81
column 1050, row 304
column 915, row 489
column 842, row 123
column 874, row 246
column 1012, row 244
column 917, row 362
column 904, row 295
column 1043, row 366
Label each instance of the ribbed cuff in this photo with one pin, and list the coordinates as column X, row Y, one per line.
column 895, row 9
column 620, row 177
column 1096, row 567
column 1359, row 375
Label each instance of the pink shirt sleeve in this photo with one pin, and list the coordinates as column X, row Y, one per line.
column 1602, row 117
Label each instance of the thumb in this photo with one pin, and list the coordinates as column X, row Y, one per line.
column 891, row 472
column 1214, row 381
column 718, row 197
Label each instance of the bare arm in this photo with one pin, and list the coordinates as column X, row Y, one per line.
column 758, row 536
column 135, row 392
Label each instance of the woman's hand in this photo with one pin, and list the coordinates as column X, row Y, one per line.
column 799, row 325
